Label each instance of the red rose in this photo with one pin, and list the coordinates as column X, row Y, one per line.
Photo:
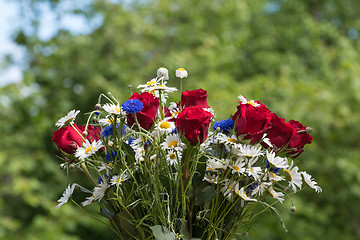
column 147, row 115
column 68, row 139
column 194, row 98
column 298, row 141
column 280, row 132
column 194, row 123
column 252, row 121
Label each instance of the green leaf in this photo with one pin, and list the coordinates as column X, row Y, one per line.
column 162, row 233
column 205, row 195
column 184, row 231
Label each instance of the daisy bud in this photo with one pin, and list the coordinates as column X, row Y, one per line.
column 98, row 107
column 71, row 166
column 308, row 129
column 163, row 72
column 286, row 189
column 130, row 86
column 293, row 209
column 198, row 218
column 234, row 158
column 62, row 165
column 94, row 120
column 181, row 73
column 218, row 129
column 84, row 133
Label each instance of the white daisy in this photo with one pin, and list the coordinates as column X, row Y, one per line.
column 181, row 73
column 228, row 189
column 267, row 140
column 163, row 73
column 222, row 138
column 277, row 195
column 173, row 156
column 293, row 176
column 162, row 87
column 251, row 151
column 139, row 154
column 152, row 82
column 99, row 191
column 310, row 182
column 66, row 195
column 255, row 172
column 270, row 176
column 174, row 110
column 88, row 201
column 87, row 149
column 213, row 164
column 173, row 141
column 211, row 178
column 106, row 121
column 243, row 100
column 106, row 167
column 164, row 127
column 69, row 118
column 242, row 194
column 238, row 166
column 276, row 161
column 261, row 188
column 119, row 179
column 113, row 109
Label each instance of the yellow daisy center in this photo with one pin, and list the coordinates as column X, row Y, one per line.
column 68, row 121
column 233, row 140
column 172, row 156
column 174, row 114
column 165, row 125
column 288, row 175
column 273, row 174
column 173, row 144
column 117, row 110
column 110, row 164
column 251, row 103
column 89, row 149
column 181, row 69
column 236, row 168
column 150, row 83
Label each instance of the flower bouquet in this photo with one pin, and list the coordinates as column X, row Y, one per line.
column 170, row 171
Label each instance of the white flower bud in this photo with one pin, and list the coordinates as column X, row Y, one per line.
column 163, row 72
column 98, row 107
column 293, row 209
column 84, row 133
column 308, row 129
column 110, row 144
column 62, row 165
column 181, row 73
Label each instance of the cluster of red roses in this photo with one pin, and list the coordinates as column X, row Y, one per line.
column 252, row 121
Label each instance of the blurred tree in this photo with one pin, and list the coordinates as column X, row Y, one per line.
column 300, row 58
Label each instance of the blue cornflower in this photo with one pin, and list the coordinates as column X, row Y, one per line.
column 132, row 106
column 274, row 170
column 224, row 125
column 252, row 186
column 111, row 156
column 108, row 131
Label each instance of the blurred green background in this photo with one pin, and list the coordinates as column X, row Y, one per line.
column 300, row 58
